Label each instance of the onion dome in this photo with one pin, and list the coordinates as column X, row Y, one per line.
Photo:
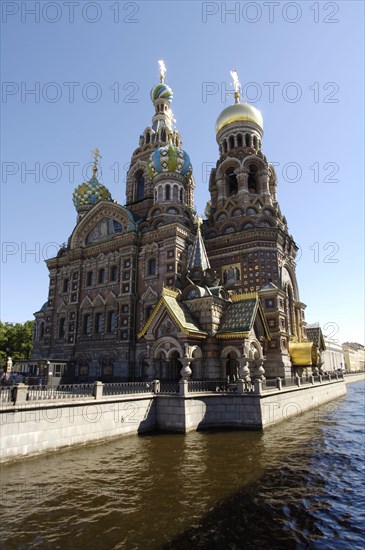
column 239, row 112
column 162, row 91
column 169, row 158
column 91, row 192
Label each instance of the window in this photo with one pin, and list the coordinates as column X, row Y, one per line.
column 99, row 323
column 168, row 192
column 252, row 180
column 62, row 327
column 140, row 186
column 89, row 278
column 239, row 140
column 65, row 285
column 112, row 321
column 113, row 273
column 231, row 180
column 86, row 323
column 101, row 276
column 181, row 195
column 152, row 264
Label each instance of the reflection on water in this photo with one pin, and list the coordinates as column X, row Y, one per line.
column 297, row 483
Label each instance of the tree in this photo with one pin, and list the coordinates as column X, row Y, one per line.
column 16, row 340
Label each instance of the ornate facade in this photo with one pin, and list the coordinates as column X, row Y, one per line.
column 148, row 290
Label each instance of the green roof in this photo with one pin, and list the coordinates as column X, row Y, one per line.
column 239, row 317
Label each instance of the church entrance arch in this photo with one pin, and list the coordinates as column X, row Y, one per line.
column 167, row 353
column 231, row 367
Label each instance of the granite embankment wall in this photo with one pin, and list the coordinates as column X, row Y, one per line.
column 355, row 377
column 246, row 411
column 31, row 427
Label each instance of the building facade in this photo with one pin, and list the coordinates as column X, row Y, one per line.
column 149, row 290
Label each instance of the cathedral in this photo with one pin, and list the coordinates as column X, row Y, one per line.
column 151, row 291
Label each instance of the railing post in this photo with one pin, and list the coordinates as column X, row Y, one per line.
column 240, row 386
column 20, row 393
column 98, row 390
column 257, row 384
column 183, row 387
column 320, row 379
column 279, row 383
column 298, row 381
column 311, row 379
column 156, row 386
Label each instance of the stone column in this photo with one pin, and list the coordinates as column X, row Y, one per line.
column 98, row 390
column 20, row 393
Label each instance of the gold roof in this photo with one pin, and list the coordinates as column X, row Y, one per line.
column 239, row 112
column 302, row 353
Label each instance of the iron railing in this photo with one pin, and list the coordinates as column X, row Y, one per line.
column 122, row 388
column 65, row 391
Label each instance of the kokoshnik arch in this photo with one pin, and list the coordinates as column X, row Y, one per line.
column 149, row 290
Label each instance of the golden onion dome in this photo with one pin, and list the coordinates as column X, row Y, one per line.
column 239, row 112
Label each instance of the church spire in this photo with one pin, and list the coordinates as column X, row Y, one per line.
column 198, row 257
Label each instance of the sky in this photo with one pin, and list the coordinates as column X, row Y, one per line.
column 77, row 75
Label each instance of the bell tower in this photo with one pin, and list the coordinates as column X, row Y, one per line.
column 246, row 235
column 161, row 132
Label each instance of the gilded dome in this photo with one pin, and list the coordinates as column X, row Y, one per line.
column 239, row 112
column 89, row 193
column 162, row 90
column 169, row 158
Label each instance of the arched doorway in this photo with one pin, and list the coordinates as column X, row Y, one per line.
column 174, row 366
column 231, row 367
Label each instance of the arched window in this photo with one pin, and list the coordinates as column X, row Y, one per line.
column 113, row 273
column 239, row 140
column 62, row 328
column 255, row 142
column 231, row 142
column 167, row 192
column 252, row 180
column 175, row 193
column 247, row 140
column 42, row 330
column 140, row 186
column 148, row 137
column 181, row 195
column 152, row 264
column 101, row 276
column 224, row 146
column 163, row 135
column 231, row 180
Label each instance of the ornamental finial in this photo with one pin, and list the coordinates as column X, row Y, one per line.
column 198, row 221
column 97, row 156
column 162, row 70
column 237, row 86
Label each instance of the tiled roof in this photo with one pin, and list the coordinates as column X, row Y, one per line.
column 182, row 315
column 239, row 317
column 179, row 313
column 314, row 334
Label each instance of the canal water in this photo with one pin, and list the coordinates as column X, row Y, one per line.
column 299, row 484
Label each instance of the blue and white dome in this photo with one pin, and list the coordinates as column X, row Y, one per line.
column 169, row 158
column 162, row 91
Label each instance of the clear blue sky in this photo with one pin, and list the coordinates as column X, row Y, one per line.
column 311, row 51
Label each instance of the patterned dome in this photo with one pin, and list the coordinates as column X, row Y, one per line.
column 90, row 193
column 161, row 91
column 169, row 158
column 239, row 112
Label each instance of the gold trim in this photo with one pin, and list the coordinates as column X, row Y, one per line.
column 244, row 296
column 231, row 335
